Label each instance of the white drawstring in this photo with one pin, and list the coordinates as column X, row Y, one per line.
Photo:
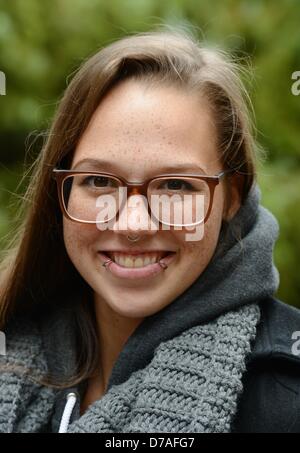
column 65, row 420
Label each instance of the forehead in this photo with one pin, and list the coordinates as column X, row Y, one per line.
column 139, row 129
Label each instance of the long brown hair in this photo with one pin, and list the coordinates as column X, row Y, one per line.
column 35, row 268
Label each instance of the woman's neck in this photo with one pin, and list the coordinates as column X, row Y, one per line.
column 113, row 332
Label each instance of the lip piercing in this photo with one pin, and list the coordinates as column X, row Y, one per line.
column 161, row 263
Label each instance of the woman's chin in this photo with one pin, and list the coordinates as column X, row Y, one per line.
column 139, row 308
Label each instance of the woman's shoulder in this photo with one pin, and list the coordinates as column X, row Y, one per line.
column 278, row 333
column 23, row 343
column 271, row 398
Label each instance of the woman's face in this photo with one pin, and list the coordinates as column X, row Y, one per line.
column 139, row 131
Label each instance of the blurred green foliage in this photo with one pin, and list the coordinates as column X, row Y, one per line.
column 43, row 42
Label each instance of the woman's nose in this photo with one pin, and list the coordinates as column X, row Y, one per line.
column 134, row 217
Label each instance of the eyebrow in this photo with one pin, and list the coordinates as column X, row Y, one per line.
column 103, row 165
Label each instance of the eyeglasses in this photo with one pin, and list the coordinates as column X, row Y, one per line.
column 173, row 199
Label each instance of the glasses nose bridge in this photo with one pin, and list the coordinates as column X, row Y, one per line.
column 136, row 188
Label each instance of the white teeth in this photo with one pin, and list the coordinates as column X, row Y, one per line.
column 136, row 261
column 148, row 260
column 127, row 262
column 139, row 262
column 122, row 261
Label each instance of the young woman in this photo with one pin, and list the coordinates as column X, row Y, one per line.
column 121, row 313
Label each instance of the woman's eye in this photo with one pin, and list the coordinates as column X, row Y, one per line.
column 178, row 184
column 97, row 181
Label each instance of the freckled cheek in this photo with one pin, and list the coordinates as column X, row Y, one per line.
column 201, row 251
column 79, row 238
column 190, row 251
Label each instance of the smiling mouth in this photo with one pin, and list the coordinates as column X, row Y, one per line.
column 128, row 260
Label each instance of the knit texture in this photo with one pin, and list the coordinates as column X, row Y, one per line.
column 191, row 385
column 24, row 405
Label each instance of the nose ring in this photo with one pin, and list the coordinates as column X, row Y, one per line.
column 133, row 238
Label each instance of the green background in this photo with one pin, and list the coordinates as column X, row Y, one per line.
column 43, row 41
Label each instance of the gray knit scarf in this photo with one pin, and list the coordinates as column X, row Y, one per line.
column 181, row 370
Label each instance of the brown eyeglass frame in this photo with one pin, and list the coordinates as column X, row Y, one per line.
column 141, row 188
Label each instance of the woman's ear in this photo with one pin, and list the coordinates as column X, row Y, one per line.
column 234, row 192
